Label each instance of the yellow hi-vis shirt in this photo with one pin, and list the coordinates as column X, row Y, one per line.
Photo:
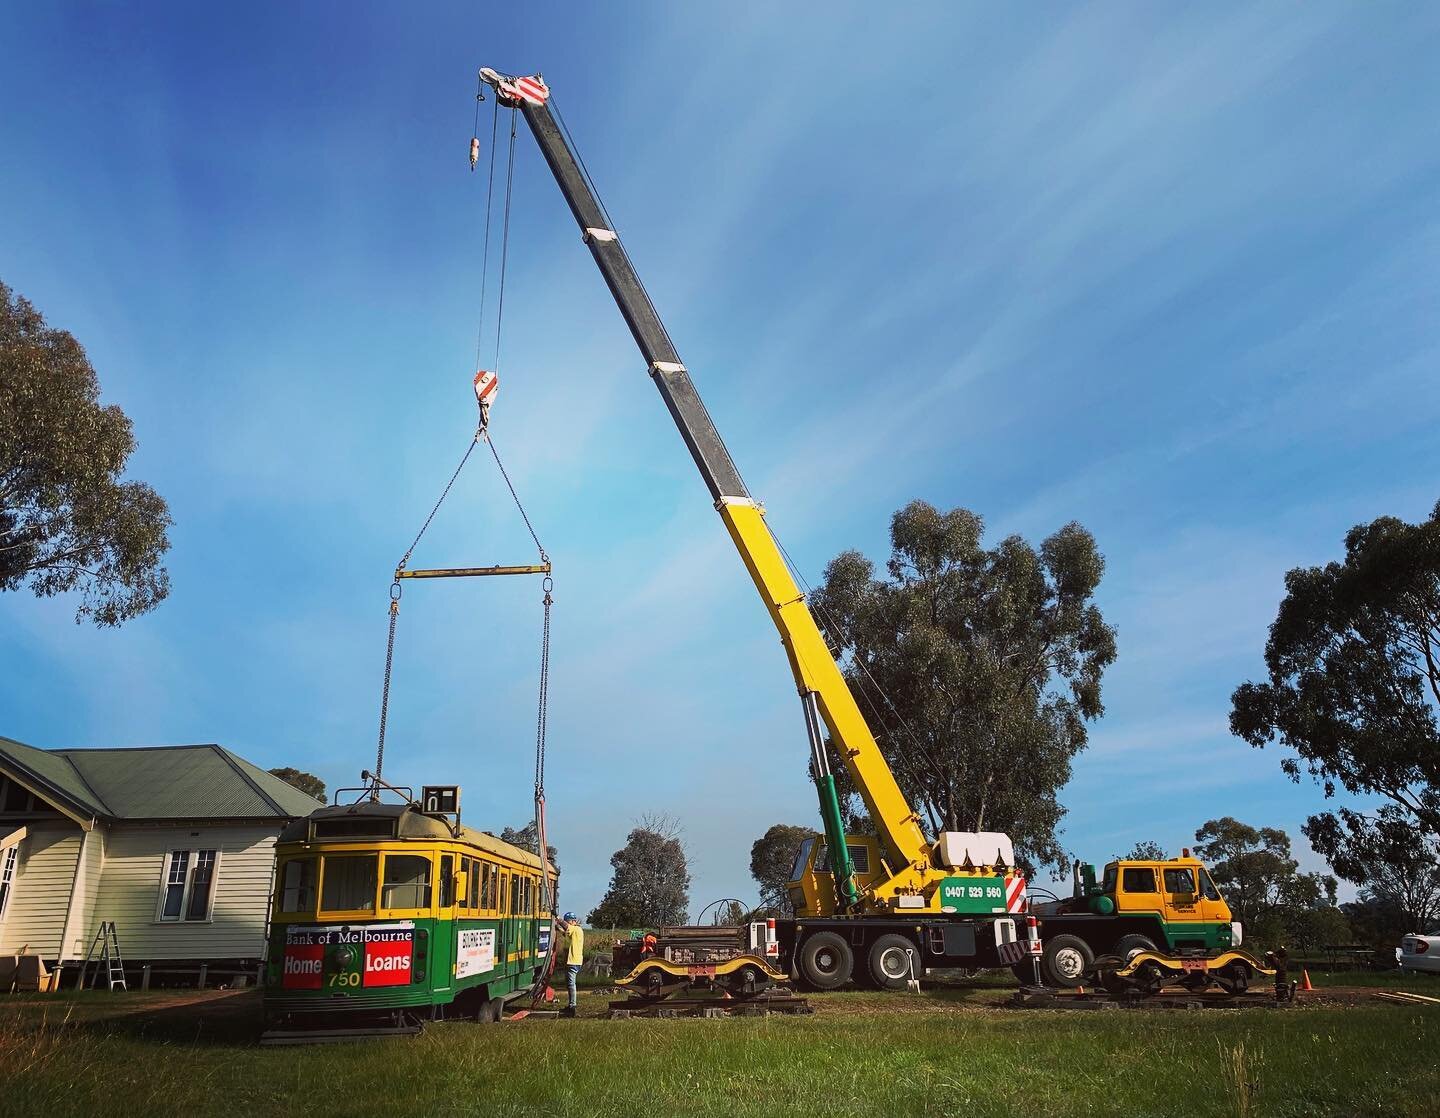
column 575, row 938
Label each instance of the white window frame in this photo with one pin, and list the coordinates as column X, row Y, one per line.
column 193, row 855
column 9, row 865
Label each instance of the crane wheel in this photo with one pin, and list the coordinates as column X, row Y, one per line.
column 891, row 964
column 1129, row 946
column 825, row 961
column 1067, row 961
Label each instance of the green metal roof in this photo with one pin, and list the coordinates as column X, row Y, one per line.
column 161, row 782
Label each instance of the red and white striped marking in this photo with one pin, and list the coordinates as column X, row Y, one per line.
column 532, row 89
column 487, row 384
column 1015, row 894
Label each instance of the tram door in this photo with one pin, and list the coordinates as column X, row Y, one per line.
column 502, row 953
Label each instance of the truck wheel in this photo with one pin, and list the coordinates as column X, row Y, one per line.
column 825, row 961
column 890, row 961
column 1066, row 962
column 1127, row 946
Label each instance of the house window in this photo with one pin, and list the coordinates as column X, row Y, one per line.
column 7, row 877
column 189, row 885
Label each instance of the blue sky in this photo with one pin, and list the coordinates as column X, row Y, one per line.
column 1171, row 273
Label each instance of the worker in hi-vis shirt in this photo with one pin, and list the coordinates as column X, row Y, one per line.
column 572, row 947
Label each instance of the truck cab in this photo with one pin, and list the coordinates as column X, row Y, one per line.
column 1177, row 894
column 1170, row 905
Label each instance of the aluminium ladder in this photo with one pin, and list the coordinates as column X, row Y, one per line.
column 105, row 950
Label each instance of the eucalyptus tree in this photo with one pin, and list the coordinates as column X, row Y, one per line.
column 978, row 668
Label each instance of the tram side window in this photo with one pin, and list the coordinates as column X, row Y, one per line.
column 447, row 880
column 349, row 883
column 297, row 886
column 504, row 891
column 515, row 894
column 472, row 882
column 485, row 891
column 407, row 881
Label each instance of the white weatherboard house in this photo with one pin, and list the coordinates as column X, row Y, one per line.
column 173, row 844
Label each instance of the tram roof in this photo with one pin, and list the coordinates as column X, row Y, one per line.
column 409, row 823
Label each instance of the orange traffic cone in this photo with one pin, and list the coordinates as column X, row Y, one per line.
column 1305, row 980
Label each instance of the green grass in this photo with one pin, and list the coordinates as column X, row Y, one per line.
column 949, row 1052
column 1393, row 979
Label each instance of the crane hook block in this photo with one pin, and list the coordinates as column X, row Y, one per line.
column 487, row 384
column 474, row 151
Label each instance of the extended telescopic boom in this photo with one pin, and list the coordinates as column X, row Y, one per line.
column 823, row 691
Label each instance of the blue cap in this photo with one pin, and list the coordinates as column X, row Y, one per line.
column 568, row 917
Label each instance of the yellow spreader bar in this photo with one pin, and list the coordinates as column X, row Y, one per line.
column 476, row 572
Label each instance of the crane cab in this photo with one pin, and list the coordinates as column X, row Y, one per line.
column 812, row 883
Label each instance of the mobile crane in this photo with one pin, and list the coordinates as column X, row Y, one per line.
column 880, row 907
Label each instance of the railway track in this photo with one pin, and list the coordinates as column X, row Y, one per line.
column 760, row 1006
column 1029, row 998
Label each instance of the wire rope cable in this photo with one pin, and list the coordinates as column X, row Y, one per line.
column 489, row 200
column 505, row 238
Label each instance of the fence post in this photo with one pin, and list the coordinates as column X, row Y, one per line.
column 203, row 968
column 145, row 977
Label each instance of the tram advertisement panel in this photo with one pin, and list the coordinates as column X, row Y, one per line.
column 476, row 953
column 348, row 956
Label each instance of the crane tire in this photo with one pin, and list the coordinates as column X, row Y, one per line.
column 825, row 960
column 1067, row 961
column 892, row 960
column 1127, row 946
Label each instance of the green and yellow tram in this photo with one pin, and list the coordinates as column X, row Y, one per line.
column 386, row 916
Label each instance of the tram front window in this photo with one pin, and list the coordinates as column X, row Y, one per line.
column 407, row 882
column 297, row 886
column 349, row 883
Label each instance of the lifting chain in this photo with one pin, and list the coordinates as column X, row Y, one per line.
column 542, row 716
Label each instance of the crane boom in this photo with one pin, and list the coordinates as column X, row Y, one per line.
column 824, row 693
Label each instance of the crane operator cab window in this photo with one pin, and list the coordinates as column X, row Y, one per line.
column 859, row 859
column 802, row 857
